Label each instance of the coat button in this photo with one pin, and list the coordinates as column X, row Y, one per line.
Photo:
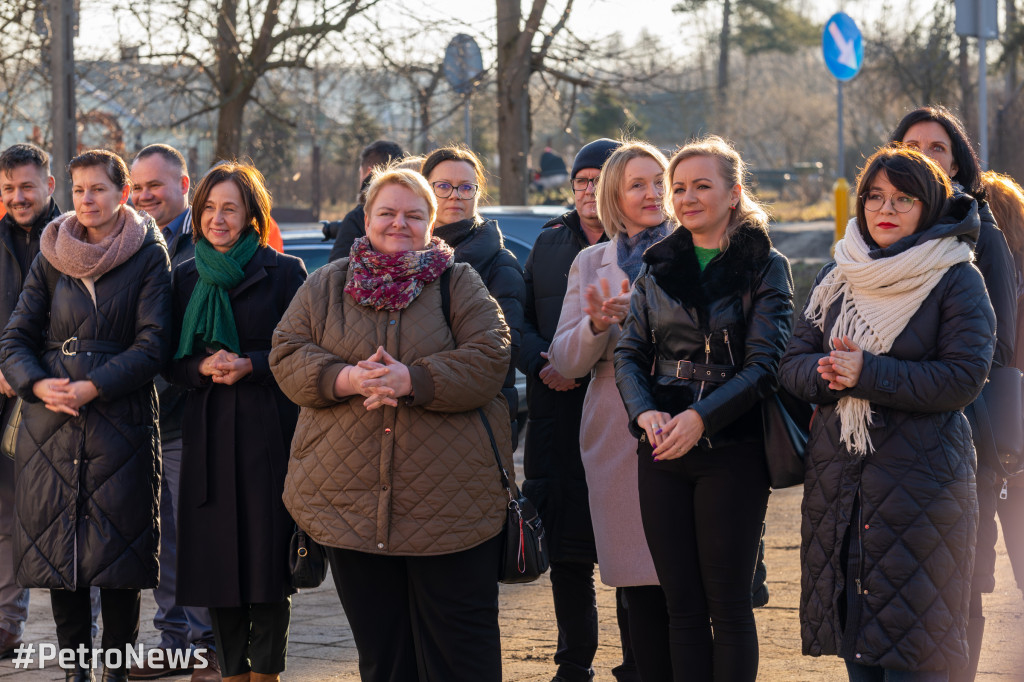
column 857, row 655
column 384, row 488
column 380, row 545
column 387, row 431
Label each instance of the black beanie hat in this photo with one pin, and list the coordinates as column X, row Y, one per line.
column 594, row 154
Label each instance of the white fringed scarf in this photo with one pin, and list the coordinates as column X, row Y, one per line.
column 879, row 296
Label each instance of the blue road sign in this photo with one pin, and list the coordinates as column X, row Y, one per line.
column 843, row 47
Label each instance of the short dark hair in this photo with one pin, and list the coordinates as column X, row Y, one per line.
column 380, row 153
column 251, row 186
column 167, row 153
column 455, row 152
column 18, row 155
column 114, row 165
column 968, row 169
column 912, row 173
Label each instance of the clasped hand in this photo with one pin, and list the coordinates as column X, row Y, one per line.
column 381, row 379
column 671, row 437
column 225, row 367
column 842, row 367
column 64, row 395
column 604, row 309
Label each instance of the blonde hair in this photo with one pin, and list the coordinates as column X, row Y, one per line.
column 1006, row 199
column 409, row 163
column 410, row 179
column 613, row 175
column 748, row 209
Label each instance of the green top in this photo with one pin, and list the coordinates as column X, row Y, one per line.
column 704, row 256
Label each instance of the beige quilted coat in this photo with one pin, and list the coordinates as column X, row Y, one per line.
column 417, row 479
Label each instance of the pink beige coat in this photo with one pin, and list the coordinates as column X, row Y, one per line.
column 606, row 445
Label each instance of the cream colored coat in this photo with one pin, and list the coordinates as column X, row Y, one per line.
column 606, row 445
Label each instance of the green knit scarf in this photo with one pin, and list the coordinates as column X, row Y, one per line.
column 209, row 315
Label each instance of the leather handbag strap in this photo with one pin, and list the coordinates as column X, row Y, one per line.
column 497, row 456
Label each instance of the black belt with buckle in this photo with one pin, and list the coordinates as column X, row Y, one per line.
column 693, row 371
column 75, row 345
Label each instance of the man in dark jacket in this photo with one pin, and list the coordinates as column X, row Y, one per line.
column 353, row 225
column 555, row 481
column 160, row 186
column 26, row 189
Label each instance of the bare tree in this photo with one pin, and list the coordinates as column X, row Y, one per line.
column 20, row 53
column 518, row 59
column 248, row 40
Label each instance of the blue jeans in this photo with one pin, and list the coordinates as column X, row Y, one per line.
column 870, row 673
column 179, row 626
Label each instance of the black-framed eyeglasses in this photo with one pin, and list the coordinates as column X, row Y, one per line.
column 874, row 201
column 443, row 190
column 581, row 184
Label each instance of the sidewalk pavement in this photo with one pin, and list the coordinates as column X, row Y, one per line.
column 321, row 646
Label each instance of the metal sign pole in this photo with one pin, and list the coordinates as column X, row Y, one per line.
column 982, row 91
column 469, row 129
column 842, row 156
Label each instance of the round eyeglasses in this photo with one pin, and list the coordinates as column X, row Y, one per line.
column 874, row 201
column 443, row 190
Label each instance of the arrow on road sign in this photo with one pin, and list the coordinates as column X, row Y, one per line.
column 847, row 54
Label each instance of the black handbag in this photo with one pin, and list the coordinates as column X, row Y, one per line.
column 787, row 421
column 999, row 412
column 307, row 561
column 524, row 554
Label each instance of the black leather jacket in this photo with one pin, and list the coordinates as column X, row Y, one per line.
column 736, row 314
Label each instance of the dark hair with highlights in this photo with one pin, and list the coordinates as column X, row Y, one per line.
column 912, row 173
column 251, row 186
column 968, row 169
column 455, row 153
column 114, row 166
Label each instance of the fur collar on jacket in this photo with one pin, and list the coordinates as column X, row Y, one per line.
column 673, row 263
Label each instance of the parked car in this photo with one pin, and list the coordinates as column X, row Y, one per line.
column 520, row 226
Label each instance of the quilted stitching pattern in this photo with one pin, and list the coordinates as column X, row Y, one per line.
column 405, row 480
column 918, row 520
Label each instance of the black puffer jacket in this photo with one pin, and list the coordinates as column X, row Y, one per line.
column 12, row 276
column 915, row 494
column 555, row 480
column 677, row 312
column 480, row 244
column 88, row 487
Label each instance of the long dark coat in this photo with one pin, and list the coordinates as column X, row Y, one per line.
column 233, row 529
column 910, row 506
column 88, row 487
column 552, row 466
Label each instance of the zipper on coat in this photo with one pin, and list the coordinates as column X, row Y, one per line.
column 1004, row 491
column 707, row 359
column 860, row 540
column 728, row 346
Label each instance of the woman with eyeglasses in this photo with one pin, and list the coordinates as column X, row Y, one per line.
column 895, row 341
column 456, row 177
column 939, row 135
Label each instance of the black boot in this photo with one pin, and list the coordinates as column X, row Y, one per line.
column 118, row 675
column 77, row 674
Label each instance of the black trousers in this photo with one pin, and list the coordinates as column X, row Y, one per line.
column 425, row 618
column 647, row 616
column 252, row 638
column 572, row 587
column 702, row 515
column 72, row 614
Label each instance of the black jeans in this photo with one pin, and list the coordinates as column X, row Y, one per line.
column 422, row 617
column 252, row 638
column 702, row 515
column 647, row 614
column 72, row 614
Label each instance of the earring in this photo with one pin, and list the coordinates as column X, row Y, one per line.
column 733, row 206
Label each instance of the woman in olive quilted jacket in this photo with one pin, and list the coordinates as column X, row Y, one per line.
column 391, row 467
column 896, row 339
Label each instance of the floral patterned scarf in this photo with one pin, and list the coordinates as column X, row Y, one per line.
column 391, row 281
